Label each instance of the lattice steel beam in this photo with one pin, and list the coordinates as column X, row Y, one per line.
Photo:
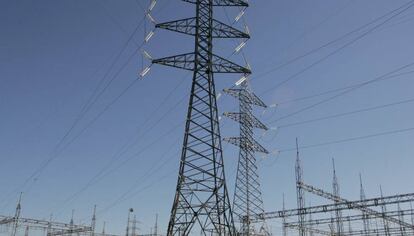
column 349, row 205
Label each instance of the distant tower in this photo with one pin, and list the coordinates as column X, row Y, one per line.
column 365, row 215
column 156, row 225
column 247, row 195
column 93, row 222
column 284, row 227
column 129, row 220
column 300, row 193
column 17, row 216
column 103, row 228
column 201, row 202
column 383, row 211
column 338, row 213
column 71, row 223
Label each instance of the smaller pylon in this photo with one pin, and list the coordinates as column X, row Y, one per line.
column 248, row 200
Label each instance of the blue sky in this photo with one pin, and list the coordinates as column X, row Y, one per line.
column 54, row 53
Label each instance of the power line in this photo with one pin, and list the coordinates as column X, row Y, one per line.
column 340, row 89
column 350, row 139
column 344, row 92
column 85, row 108
column 347, row 113
column 340, row 48
column 103, row 172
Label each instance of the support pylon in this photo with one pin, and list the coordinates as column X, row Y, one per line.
column 201, row 202
column 248, row 200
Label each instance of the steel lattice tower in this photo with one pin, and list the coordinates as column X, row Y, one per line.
column 201, row 202
column 247, row 195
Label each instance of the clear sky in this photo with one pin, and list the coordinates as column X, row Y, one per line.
column 122, row 151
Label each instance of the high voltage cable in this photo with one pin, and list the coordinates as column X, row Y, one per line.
column 339, row 89
column 327, row 44
column 343, row 93
column 339, row 49
column 141, row 179
column 103, row 173
column 304, row 34
column 85, row 108
column 349, row 139
column 347, row 113
column 91, row 101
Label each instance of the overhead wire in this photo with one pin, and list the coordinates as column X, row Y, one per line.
column 388, row 105
column 332, row 42
column 298, row 99
column 343, row 93
column 349, row 139
column 85, row 108
column 337, row 50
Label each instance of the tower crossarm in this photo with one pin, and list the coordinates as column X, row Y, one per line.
column 238, row 116
column 252, row 98
column 358, row 206
column 251, row 144
column 188, row 26
column 187, row 61
column 224, row 3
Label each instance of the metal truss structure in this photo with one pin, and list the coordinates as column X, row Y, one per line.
column 379, row 216
column 51, row 228
column 247, row 195
column 201, row 203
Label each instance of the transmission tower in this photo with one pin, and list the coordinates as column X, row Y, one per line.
column 201, row 202
column 247, row 195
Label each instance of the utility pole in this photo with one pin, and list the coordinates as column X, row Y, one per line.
column 201, row 201
column 248, row 200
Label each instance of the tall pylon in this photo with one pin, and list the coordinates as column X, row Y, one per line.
column 201, row 202
column 248, row 200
